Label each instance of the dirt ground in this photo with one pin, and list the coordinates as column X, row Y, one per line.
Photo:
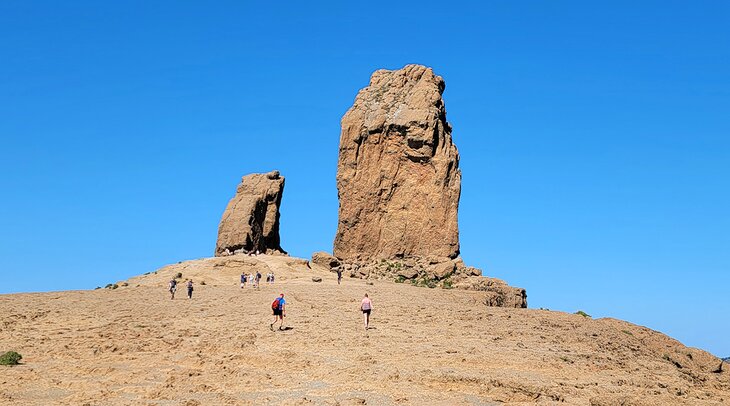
column 135, row 346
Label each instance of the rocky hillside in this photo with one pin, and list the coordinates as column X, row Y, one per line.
column 134, row 346
column 431, row 272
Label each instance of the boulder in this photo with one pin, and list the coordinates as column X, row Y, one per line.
column 325, row 260
column 441, row 271
column 407, row 272
column 398, row 175
column 470, row 270
column 250, row 222
column 498, row 293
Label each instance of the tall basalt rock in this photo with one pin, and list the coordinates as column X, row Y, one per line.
column 398, row 173
column 250, row 222
column 399, row 186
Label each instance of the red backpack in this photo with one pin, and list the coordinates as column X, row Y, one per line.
column 275, row 305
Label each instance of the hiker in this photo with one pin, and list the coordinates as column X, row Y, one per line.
column 172, row 287
column 366, row 306
column 190, row 289
column 339, row 275
column 258, row 279
column 243, row 280
column 279, row 308
column 272, row 278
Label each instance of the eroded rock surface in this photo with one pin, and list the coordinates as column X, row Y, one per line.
column 399, row 184
column 398, row 173
column 250, row 223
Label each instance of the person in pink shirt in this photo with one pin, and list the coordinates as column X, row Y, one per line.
column 366, row 306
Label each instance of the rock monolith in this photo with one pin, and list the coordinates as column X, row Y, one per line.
column 250, row 222
column 399, row 185
column 398, row 173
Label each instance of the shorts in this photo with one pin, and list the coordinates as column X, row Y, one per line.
column 277, row 312
column 366, row 311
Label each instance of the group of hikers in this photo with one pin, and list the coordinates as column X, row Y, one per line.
column 279, row 309
column 279, row 304
column 172, row 288
column 255, row 279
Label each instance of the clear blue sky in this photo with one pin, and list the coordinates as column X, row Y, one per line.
column 595, row 139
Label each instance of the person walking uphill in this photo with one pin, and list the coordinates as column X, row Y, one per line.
column 172, row 288
column 366, row 306
column 190, row 289
column 279, row 308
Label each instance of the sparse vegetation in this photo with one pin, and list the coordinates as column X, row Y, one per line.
column 582, row 313
column 179, row 275
column 424, row 282
column 447, row 284
column 400, row 279
column 393, row 266
column 627, row 332
column 10, row 358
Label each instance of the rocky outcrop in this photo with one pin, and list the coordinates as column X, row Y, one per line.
column 325, row 260
column 438, row 272
column 398, row 173
column 399, row 184
column 250, row 222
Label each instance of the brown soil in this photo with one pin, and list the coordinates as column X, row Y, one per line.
column 135, row 346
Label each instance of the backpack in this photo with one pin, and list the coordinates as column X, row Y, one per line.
column 276, row 304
